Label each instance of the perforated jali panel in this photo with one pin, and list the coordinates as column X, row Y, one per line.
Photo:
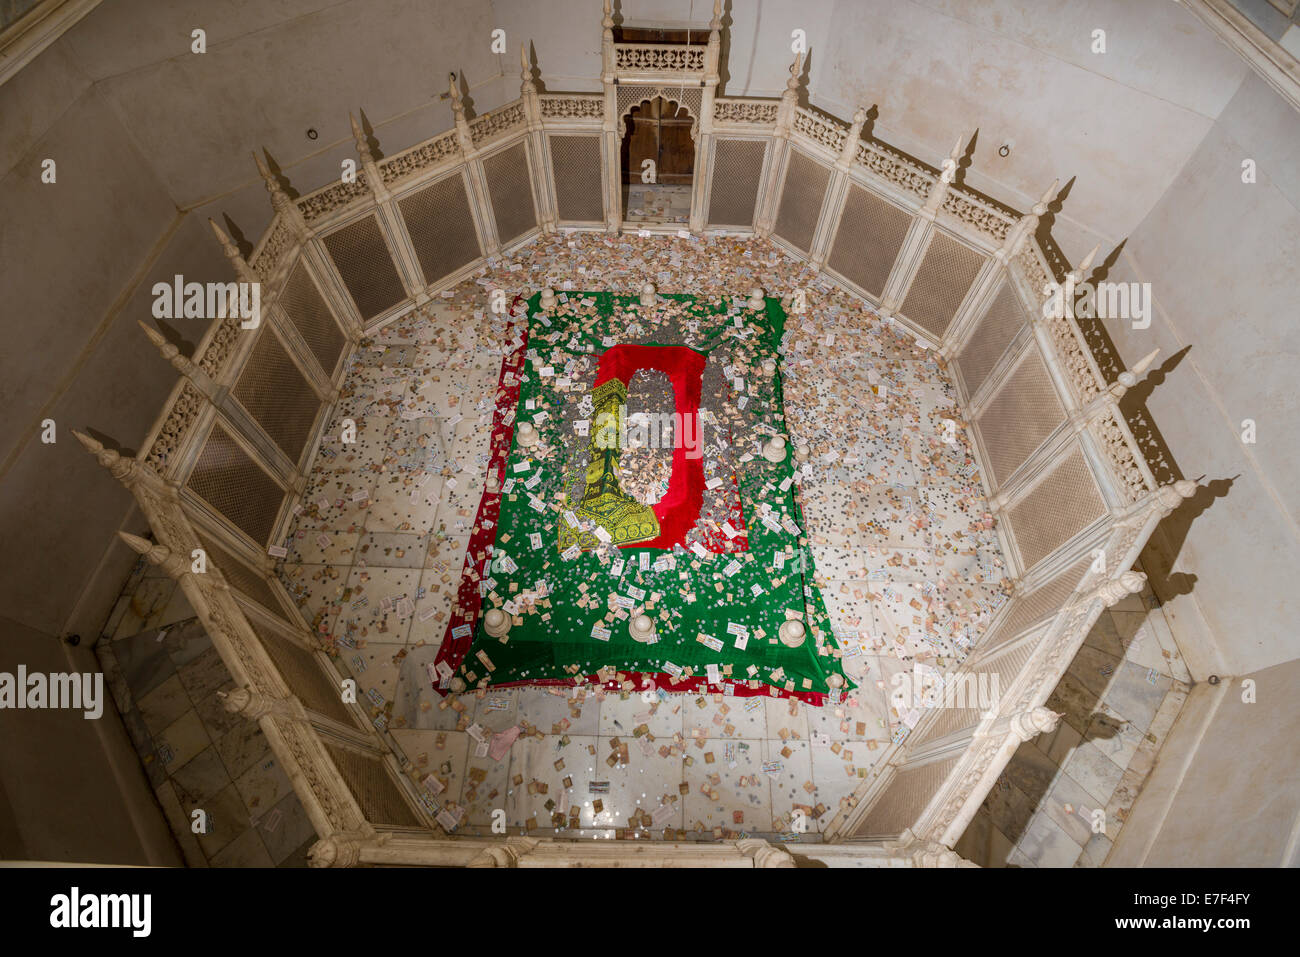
column 511, row 192
column 947, row 721
column 1022, row 413
column 737, row 170
column 990, row 338
column 306, row 309
column 870, row 234
column 578, row 190
column 904, row 798
column 233, row 484
column 1036, row 606
column 941, row 283
column 277, row 396
column 441, row 227
column 303, row 673
column 372, row 786
column 1058, row 508
column 366, row 267
column 240, row 577
column 801, row 200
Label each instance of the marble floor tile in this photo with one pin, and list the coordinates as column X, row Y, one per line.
column 792, row 784
column 1096, row 772
column 146, row 605
column 373, row 606
column 225, row 816
column 1136, row 693
column 538, row 768
column 1009, row 808
column 180, row 825
column 143, row 661
column 1071, row 807
column 1031, row 771
column 1046, row 844
column 181, row 740
column 242, row 747
column 646, row 782
column 164, row 704
column 284, row 829
column 215, row 717
column 203, row 674
column 262, row 786
column 716, row 792
column 186, row 640
column 557, row 713
column 721, row 716
column 622, row 714
column 247, row 850
column 201, row 778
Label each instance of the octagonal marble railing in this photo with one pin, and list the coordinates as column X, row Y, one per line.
column 223, row 468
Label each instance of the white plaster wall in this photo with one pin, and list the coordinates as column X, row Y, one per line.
column 1225, row 791
column 150, row 140
column 1223, row 259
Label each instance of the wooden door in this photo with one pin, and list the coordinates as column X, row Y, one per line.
column 658, row 132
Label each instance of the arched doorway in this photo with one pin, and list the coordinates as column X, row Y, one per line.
column 658, row 162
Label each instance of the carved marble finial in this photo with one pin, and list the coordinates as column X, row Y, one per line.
column 526, row 85
column 359, row 137
column 457, row 105
column 180, row 362
column 1040, row 207
column 137, row 544
column 1086, row 265
column 792, row 84
column 119, row 466
column 156, row 554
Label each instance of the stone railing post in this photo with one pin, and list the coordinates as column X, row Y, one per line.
column 765, row 219
column 546, row 214
column 704, row 125
column 836, row 189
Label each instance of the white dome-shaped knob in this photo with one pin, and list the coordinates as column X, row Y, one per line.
column 642, row 629
column 527, row 434
column 648, row 294
column 835, row 681
column 792, row 633
column 496, row 623
column 774, row 450
column 458, row 684
column 769, row 367
column 548, row 300
column 756, row 300
column 801, row 453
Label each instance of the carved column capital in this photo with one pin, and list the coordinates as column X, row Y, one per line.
column 505, row 854
column 1115, row 590
column 765, row 854
column 341, row 849
column 1030, row 724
